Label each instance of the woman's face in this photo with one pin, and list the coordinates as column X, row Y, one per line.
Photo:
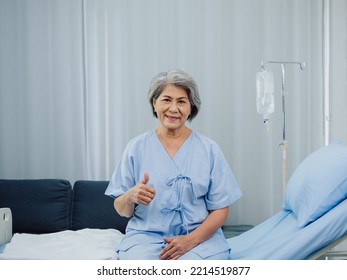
column 172, row 107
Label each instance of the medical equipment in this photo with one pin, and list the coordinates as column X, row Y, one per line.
column 5, row 225
column 265, row 97
column 266, row 86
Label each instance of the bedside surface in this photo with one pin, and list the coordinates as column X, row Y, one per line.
column 235, row 230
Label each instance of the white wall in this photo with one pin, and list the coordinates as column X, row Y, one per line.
column 338, row 86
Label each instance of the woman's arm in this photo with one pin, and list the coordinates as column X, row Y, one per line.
column 179, row 245
column 139, row 194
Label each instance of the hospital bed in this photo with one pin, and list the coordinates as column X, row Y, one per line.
column 280, row 238
column 312, row 219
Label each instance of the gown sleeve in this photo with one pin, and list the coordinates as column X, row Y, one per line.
column 123, row 177
column 223, row 189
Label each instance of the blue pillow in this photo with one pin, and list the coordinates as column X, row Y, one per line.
column 318, row 184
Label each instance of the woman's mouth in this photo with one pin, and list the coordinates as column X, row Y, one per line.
column 172, row 118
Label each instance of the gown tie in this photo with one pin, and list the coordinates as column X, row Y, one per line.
column 176, row 184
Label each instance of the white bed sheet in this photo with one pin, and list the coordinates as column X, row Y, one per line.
column 85, row 244
column 279, row 238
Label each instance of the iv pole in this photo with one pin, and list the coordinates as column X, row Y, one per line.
column 284, row 142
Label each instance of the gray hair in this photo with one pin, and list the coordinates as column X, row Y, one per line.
column 176, row 78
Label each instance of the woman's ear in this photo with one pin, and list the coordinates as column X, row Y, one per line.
column 154, row 110
column 154, row 103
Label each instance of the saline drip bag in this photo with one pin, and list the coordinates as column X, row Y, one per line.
column 265, row 96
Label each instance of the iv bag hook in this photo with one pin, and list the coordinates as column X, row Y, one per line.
column 301, row 64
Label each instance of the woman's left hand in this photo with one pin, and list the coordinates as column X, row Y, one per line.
column 176, row 247
column 179, row 245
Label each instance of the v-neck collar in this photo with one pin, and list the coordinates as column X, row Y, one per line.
column 179, row 152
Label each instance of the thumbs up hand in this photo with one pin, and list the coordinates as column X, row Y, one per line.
column 145, row 178
column 142, row 193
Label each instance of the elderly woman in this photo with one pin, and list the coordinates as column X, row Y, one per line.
column 173, row 182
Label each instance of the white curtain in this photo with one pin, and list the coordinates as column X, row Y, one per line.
column 74, row 76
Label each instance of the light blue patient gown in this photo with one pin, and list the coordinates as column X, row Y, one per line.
column 196, row 180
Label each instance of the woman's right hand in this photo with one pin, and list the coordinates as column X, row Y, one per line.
column 141, row 193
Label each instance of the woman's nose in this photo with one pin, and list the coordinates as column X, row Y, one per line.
column 173, row 107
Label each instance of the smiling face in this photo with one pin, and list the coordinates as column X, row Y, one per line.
column 172, row 107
